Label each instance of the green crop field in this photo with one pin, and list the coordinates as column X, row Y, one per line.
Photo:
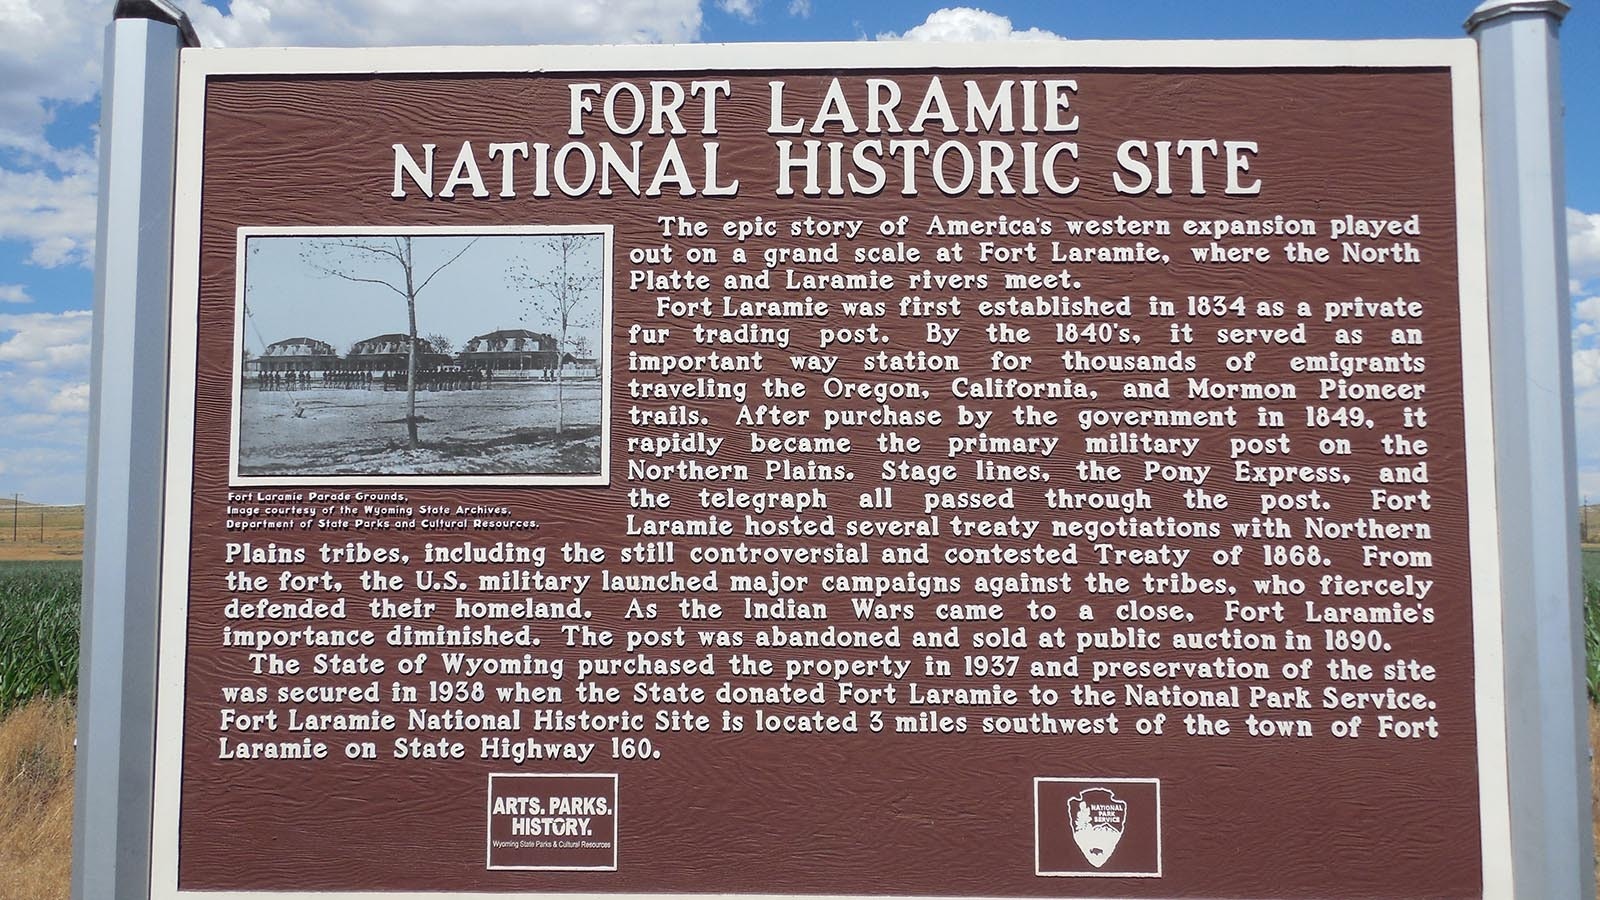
column 39, row 616
column 1591, row 624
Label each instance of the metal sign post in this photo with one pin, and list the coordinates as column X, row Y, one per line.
column 122, row 529
column 1531, row 368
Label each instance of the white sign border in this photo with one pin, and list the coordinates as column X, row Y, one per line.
column 1458, row 56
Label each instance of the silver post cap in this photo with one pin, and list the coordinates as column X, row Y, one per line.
column 161, row 11
column 1495, row 9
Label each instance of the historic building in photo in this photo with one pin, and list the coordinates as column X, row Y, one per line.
column 389, row 352
column 511, row 349
column 298, row 354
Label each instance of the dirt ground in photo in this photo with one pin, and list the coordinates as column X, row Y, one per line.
column 507, row 429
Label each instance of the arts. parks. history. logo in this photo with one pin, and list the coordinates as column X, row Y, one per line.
column 552, row 822
column 1097, row 827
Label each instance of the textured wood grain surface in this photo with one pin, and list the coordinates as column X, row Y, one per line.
column 922, row 814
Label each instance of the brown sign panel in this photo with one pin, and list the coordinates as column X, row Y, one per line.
column 1048, row 470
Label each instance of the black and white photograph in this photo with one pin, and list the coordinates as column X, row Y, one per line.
column 422, row 356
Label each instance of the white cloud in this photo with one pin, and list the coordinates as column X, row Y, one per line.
column 963, row 23
column 46, row 403
column 1585, row 318
column 52, row 56
column 53, row 214
column 744, row 9
column 1583, row 258
column 1586, row 368
column 14, row 293
column 44, row 398
column 30, row 422
column 71, row 398
column 45, row 474
column 46, row 342
column 1586, row 418
column 273, row 23
column 801, row 8
column 1583, row 244
column 34, row 391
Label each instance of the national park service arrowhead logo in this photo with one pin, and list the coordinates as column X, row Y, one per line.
column 1097, row 818
column 1097, row 827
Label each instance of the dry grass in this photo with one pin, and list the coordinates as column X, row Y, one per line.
column 36, row 757
column 1594, row 780
column 36, row 533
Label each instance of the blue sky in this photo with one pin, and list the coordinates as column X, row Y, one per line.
column 49, row 109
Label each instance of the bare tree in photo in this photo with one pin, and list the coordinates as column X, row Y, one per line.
column 562, row 294
column 440, row 343
column 388, row 262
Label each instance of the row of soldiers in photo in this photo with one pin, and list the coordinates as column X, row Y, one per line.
column 430, row 378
